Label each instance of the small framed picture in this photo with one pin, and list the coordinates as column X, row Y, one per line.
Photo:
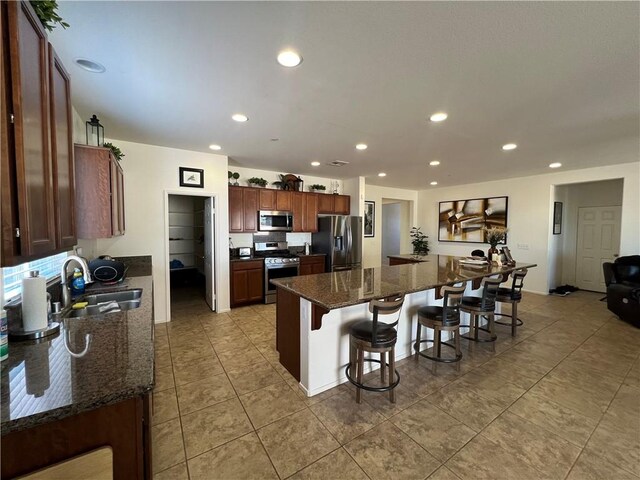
column 191, row 177
column 557, row 218
column 369, row 219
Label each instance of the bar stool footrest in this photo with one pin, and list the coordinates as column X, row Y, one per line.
column 437, row 359
column 492, row 338
column 385, row 388
column 508, row 324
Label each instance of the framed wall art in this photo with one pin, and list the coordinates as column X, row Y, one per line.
column 557, row 218
column 191, row 177
column 369, row 218
column 466, row 220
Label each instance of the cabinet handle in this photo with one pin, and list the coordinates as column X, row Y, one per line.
column 17, row 233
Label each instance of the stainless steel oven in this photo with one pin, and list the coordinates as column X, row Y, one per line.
column 277, row 270
column 278, row 263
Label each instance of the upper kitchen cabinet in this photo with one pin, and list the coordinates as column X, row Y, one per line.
column 275, row 200
column 334, row 204
column 62, row 152
column 99, row 193
column 304, row 207
column 243, row 209
column 36, row 166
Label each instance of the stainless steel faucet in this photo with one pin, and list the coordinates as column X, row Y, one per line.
column 66, row 294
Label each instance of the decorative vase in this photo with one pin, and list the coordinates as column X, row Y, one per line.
column 491, row 251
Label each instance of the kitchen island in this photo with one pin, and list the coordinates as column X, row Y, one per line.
column 83, row 389
column 314, row 311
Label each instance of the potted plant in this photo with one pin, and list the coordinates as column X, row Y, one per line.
column 260, row 182
column 317, row 188
column 493, row 236
column 115, row 150
column 230, row 176
column 47, row 12
column 419, row 241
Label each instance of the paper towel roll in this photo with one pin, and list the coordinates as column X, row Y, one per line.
column 34, row 302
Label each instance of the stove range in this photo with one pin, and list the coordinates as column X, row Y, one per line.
column 278, row 263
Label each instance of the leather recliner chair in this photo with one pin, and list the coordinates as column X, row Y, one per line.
column 623, row 291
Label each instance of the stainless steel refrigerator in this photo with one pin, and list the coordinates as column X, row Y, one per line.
column 339, row 237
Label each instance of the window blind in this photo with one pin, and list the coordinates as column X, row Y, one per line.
column 48, row 267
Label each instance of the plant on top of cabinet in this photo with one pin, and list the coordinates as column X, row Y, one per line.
column 235, row 176
column 290, row 182
column 115, row 150
column 261, row 182
column 47, row 12
column 316, row 187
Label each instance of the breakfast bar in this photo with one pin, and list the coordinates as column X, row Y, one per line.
column 314, row 311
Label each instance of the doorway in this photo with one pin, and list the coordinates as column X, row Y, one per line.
column 395, row 227
column 190, row 251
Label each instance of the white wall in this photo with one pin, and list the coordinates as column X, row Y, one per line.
column 150, row 171
column 372, row 246
column 593, row 194
column 530, row 214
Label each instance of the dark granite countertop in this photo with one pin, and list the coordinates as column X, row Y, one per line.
column 351, row 287
column 411, row 258
column 48, row 380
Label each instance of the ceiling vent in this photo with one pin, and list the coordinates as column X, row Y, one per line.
column 337, row 163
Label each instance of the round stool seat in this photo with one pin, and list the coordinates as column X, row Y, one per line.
column 476, row 304
column 434, row 313
column 363, row 330
column 507, row 295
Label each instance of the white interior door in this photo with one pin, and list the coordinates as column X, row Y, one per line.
column 598, row 242
column 209, row 249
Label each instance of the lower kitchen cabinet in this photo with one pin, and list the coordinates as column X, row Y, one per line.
column 312, row 264
column 247, row 282
column 99, row 193
column 124, row 427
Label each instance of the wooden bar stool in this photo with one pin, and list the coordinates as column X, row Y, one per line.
column 513, row 296
column 375, row 336
column 483, row 306
column 441, row 319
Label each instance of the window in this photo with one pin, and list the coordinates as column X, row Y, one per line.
column 48, row 267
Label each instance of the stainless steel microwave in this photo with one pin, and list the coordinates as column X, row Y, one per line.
column 275, row 221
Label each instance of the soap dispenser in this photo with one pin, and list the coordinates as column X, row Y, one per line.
column 307, row 248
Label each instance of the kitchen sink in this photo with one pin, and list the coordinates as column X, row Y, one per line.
column 122, row 296
column 99, row 303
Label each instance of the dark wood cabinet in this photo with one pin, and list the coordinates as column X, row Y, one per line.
column 125, row 427
column 274, row 199
column 99, row 193
column 304, row 207
column 247, row 282
column 334, row 204
column 243, row 209
column 236, row 210
column 310, row 265
column 37, row 159
column 62, row 152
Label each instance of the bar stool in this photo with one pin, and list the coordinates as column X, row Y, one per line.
column 483, row 306
column 513, row 296
column 441, row 319
column 375, row 336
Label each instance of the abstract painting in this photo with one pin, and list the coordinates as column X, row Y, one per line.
column 466, row 220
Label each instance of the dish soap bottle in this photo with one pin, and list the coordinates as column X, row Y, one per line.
column 77, row 284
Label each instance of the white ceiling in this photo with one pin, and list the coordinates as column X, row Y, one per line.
column 559, row 79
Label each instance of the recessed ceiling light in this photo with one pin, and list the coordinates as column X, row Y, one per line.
column 361, row 146
column 89, row 65
column 509, row 146
column 382, row 174
column 239, row 117
column 434, row 163
column 213, row 146
column 433, row 183
column 315, row 164
column 289, row 58
column 438, row 117
column 555, row 165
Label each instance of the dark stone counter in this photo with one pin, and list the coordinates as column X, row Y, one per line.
column 351, row 287
column 52, row 379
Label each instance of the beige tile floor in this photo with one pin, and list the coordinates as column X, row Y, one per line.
column 562, row 400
